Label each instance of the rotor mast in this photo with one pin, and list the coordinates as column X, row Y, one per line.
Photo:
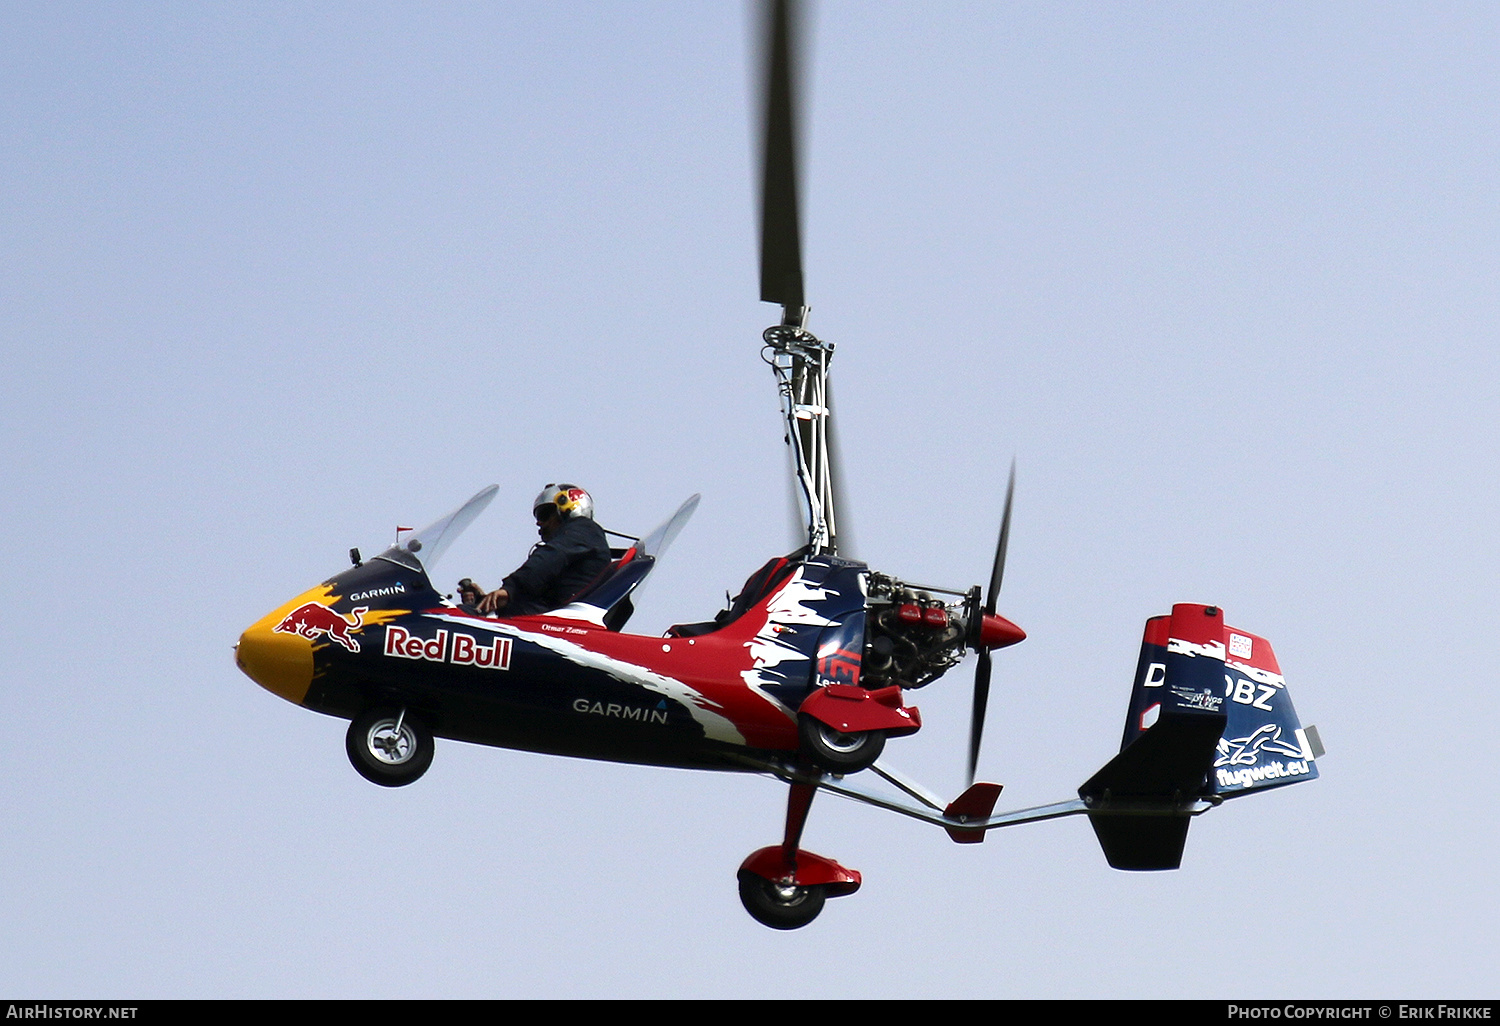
column 800, row 361
column 798, row 358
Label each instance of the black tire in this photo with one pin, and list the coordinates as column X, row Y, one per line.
column 781, row 907
column 380, row 755
column 837, row 752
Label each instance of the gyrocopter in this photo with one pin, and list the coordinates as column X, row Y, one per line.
column 804, row 676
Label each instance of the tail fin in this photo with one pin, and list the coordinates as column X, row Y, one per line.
column 1264, row 745
column 1209, row 719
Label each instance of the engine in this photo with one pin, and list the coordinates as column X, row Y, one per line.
column 911, row 636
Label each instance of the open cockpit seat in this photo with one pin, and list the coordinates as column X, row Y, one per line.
column 610, row 590
column 760, row 584
column 619, row 559
column 606, row 599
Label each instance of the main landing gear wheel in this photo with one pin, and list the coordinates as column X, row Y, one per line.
column 388, row 747
column 780, row 906
column 836, row 751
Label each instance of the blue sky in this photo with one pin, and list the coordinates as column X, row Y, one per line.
column 280, row 277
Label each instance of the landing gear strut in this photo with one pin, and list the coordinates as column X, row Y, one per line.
column 784, row 887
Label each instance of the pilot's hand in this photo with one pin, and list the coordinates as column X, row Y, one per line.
column 494, row 601
column 470, row 591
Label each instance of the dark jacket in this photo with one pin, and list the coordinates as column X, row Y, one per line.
column 558, row 568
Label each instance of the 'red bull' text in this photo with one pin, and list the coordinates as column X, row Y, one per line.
column 459, row 650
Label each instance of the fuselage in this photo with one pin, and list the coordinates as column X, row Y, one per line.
column 380, row 634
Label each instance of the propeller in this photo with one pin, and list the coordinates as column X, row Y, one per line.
column 780, row 219
column 994, row 631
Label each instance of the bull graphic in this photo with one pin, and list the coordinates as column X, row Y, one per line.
column 313, row 618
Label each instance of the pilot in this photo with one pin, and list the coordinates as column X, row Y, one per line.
column 572, row 552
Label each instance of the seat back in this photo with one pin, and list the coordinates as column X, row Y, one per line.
column 757, row 586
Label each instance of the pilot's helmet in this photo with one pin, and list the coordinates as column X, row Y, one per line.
column 570, row 501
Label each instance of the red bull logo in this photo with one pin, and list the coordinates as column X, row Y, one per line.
column 313, row 618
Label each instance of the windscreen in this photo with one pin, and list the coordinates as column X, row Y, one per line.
column 425, row 547
column 655, row 543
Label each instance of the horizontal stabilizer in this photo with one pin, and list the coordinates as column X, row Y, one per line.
column 1136, row 802
column 1141, row 843
column 1171, row 759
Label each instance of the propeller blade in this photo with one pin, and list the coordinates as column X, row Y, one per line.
column 780, row 221
column 997, row 573
column 982, row 670
column 981, row 702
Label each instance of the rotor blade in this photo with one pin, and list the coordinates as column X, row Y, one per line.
column 997, row 573
column 780, row 221
column 981, row 702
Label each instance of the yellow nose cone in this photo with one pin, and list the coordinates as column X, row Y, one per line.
column 281, row 661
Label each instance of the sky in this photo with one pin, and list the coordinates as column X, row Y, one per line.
column 277, row 278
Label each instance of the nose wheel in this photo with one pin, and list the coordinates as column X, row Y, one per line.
column 387, row 747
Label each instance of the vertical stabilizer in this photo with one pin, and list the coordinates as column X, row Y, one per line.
column 1264, row 744
column 1209, row 718
column 1181, row 670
